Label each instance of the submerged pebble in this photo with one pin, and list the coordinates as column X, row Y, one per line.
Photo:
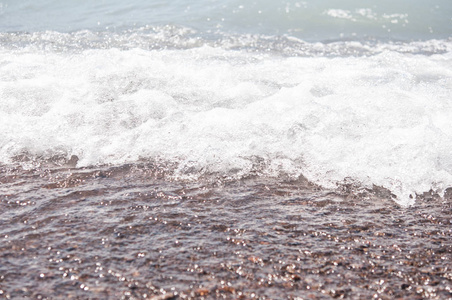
column 134, row 235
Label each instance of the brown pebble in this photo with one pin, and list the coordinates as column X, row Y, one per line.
column 227, row 289
column 202, row 292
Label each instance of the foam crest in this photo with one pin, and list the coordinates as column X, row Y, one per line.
column 179, row 37
column 377, row 120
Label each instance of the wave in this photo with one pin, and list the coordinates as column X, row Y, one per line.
column 172, row 37
column 369, row 112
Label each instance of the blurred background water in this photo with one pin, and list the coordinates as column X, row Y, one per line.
column 308, row 20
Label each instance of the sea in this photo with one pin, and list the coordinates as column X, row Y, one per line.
column 225, row 149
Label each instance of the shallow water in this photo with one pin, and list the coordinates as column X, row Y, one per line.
column 129, row 232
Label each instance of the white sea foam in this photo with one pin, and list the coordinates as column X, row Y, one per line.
column 380, row 119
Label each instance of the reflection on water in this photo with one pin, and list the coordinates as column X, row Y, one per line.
column 131, row 232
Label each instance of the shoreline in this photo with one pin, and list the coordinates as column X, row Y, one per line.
column 134, row 236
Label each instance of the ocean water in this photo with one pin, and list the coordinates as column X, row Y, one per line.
column 128, row 127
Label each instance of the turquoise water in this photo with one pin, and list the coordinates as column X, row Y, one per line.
column 308, row 20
